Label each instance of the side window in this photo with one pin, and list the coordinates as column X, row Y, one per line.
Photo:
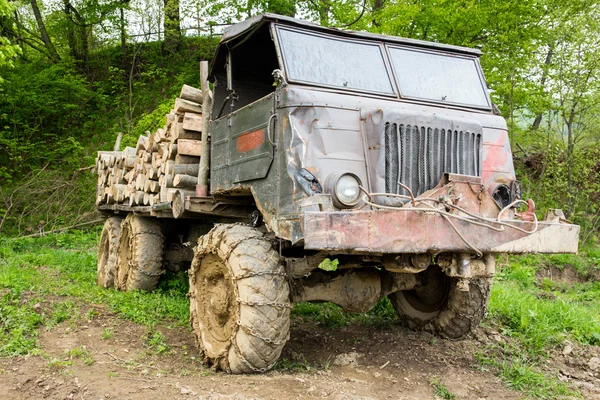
column 252, row 60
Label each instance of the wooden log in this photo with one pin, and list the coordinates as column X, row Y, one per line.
column 163, row 149
column 191, row 93
column 192, row 122
column 152, row 173
column 166, row 180
column 141, row 144
column 187, row 169
column 185, row 181
column 182, row 106
column 186, row 193
column 170, row 119
column 182, row 159
column 172, row 151
column 163, row 193
column 188, row 147
column 139, row 182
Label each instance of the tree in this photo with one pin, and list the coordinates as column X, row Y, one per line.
column 43, row 32
column 8, row 51
column 172, row 26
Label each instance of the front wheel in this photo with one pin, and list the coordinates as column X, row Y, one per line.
column 239, row 299
column 440, row 306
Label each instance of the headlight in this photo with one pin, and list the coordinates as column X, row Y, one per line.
column 344, row 188
column 501, row 195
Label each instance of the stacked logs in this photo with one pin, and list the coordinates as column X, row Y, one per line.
column 161, row 163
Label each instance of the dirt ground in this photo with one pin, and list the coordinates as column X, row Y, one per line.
column 353, row 362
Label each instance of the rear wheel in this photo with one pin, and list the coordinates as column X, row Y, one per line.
column 239, row 299
column 140, row 254
column 440, row 307
column 107, row 252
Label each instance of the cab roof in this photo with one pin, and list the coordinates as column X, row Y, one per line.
column 241, row 28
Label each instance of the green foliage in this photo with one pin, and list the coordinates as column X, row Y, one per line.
column 18, row 323
column 441, row 390
column 156, row 341
column 74, row 277
column 328, row 265
column 523, row 375
column 332, row 316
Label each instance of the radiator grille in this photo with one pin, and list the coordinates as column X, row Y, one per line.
column 417, row 156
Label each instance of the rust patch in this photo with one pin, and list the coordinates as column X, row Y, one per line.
column 250, row 140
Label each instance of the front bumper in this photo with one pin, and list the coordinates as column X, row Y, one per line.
column 401, row 231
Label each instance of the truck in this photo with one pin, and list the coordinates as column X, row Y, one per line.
column 321, row 165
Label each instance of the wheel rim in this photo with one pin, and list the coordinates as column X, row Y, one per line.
column 216, row 305
column 432, row 295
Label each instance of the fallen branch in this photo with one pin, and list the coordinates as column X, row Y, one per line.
column 60, row 230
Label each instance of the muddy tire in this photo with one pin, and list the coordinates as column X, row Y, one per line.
column 140, row 254
column 439, row 307
column 107, row 252
column 239, row 299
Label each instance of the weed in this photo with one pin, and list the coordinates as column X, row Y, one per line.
column 156, row 341
column 77, row 352
column 107, row 334
column 19, row 320
column 523, row 375
column 58, row 365
column 441, row 390
column 292, row 365
column 112, row 374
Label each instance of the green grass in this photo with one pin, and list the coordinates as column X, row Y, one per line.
column 539, row 315
column 544, row 314
column 63, row 268
column 441, row 390
column 524, row 375
column 332, row 316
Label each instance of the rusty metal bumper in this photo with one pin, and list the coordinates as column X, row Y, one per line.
column 396, row 231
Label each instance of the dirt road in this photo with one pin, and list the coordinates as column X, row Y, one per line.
column 109, row 358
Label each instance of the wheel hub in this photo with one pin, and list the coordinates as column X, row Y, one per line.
column 216, row 304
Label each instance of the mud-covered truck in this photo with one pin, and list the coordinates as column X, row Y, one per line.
column 322, row 165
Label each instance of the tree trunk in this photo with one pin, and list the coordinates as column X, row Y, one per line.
column 44, row 33
column 123, row 35
column 538, row 118
column 172, row 26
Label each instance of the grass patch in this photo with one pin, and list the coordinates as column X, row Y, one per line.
column 543, row 314
column 523, row 374
column 441, row 390
column 332, row 316
column 64, row 266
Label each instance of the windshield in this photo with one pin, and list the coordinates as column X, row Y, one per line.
column 438, row 77
column 330, row 61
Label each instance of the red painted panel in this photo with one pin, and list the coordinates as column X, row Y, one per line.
column 250, row 140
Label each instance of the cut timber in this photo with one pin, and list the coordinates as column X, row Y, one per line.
column 191, row 93
column 141, row 144
column 187, row 193
column 172, row 151
column 188, row 147
column 192, row 122
column 170, row 119
column 182, row 106
column 187, row 169
column 185, row 181
column 181, row 159
column 178, row 132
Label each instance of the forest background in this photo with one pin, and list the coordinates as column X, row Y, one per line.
column 74, row 73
